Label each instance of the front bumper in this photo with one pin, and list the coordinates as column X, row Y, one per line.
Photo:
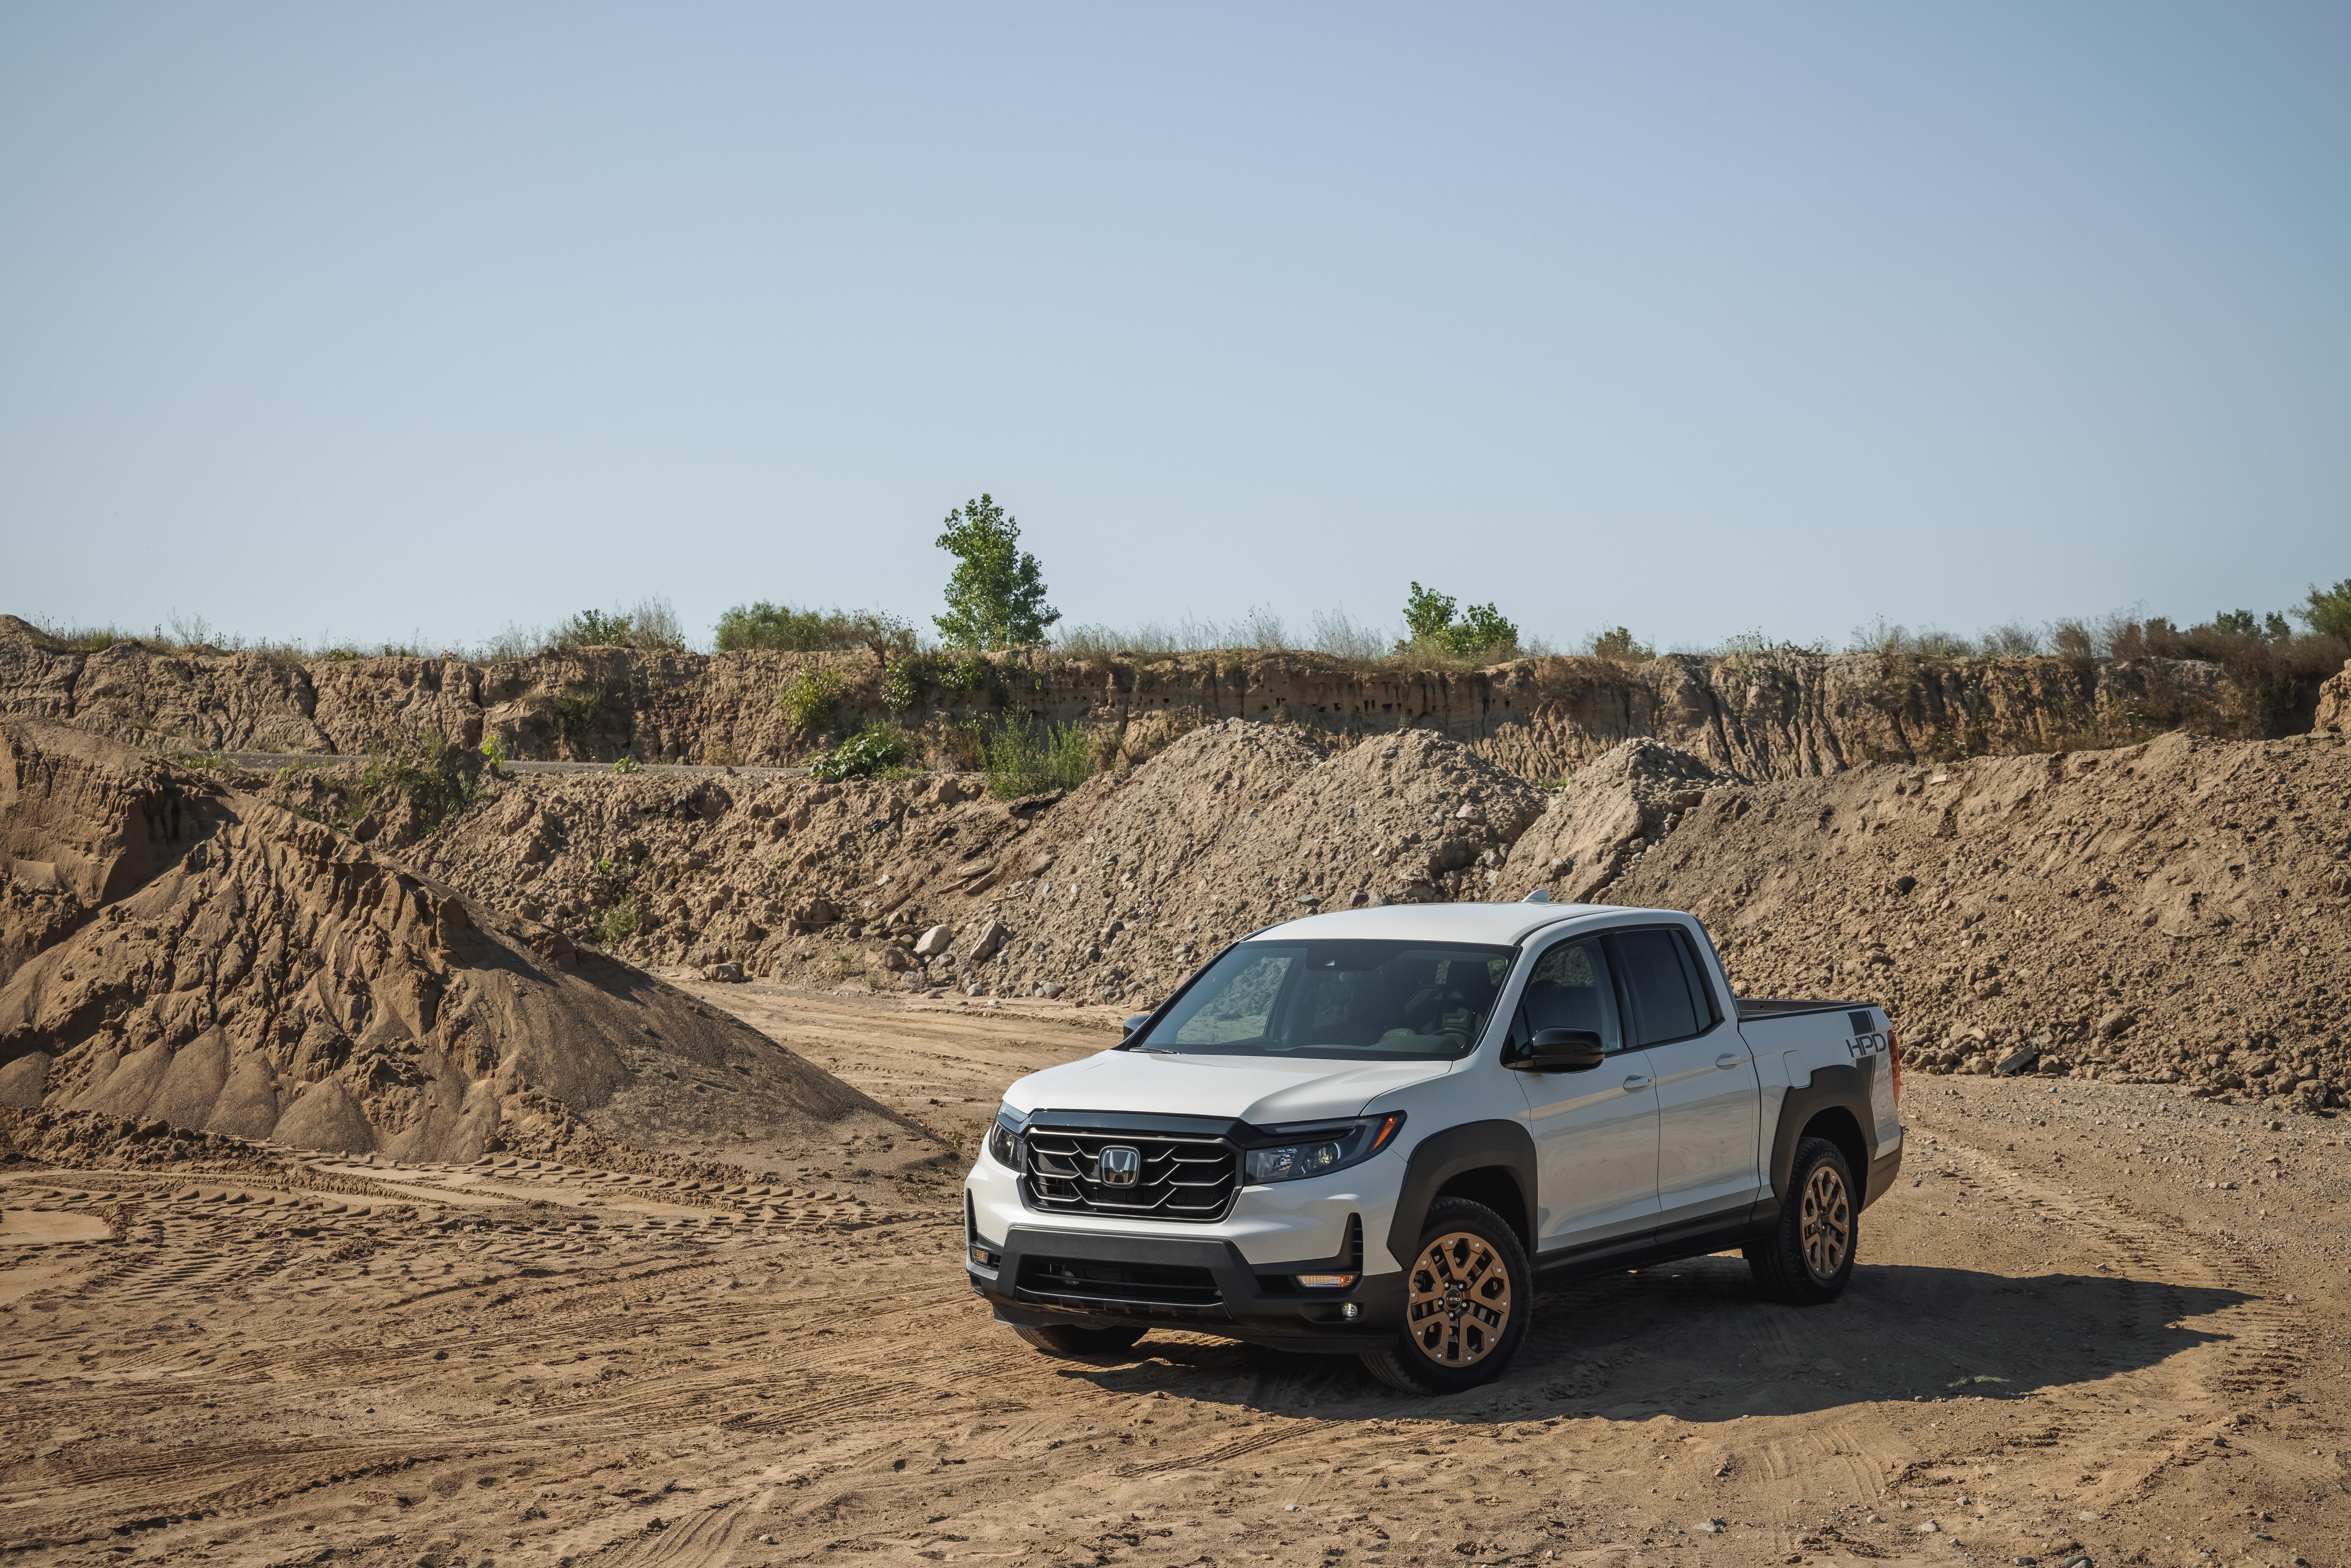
column 1097, row 1280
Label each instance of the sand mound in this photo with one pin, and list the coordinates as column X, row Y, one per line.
column 2175, row 908
column 2170, row 913
column 175, row 951
column 1108, row 894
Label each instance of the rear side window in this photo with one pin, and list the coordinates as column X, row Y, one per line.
column 1650, row 965
column 1710, row 1013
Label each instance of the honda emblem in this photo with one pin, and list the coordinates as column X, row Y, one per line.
column 1121, row 1166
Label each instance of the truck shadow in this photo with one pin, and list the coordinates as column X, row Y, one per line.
column 1691, row 1339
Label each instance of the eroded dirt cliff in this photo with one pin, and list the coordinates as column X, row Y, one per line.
column 1785, row 713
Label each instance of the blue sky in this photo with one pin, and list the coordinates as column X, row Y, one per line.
column 372, row 321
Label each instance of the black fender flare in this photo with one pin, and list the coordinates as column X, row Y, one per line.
column 1440, row 1156
column 1843, row 1087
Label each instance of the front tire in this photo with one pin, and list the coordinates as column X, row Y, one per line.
column 1468, row 1291
column 1809, row 1258
column 1073, row 1343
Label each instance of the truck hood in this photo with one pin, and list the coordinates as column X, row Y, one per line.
column 1257, row 1089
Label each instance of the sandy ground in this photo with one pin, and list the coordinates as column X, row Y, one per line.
column 2092, row 1319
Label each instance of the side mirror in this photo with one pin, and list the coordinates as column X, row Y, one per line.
column 1561, row 1051
column 1127, row 1030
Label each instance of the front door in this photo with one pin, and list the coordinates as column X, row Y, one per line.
column 1596, row 1133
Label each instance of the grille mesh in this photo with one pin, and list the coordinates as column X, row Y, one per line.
column 1189, row 1178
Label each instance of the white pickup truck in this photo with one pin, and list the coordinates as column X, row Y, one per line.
column 1376, row 1132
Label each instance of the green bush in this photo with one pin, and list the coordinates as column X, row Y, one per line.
column 808, row 696
column 1030, row 758
column 574, row 711
column 618, row 922
column 902, row 684
column 1618, row 645
column 626, row 764
column 965, row 676
column 784, row 628
column 652, row 626
column 1481, row 632
column 875, row 749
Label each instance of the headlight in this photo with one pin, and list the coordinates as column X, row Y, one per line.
column 1321, row 1149
column 1004, row 1141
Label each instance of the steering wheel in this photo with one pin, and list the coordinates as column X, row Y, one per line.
column 1426, row 1005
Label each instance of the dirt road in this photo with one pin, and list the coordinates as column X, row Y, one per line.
column 2091, row 1320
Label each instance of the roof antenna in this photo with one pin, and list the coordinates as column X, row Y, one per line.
column 1539, row 895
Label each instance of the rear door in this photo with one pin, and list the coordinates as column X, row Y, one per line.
column 1595, row 1133
column 1709, row 1100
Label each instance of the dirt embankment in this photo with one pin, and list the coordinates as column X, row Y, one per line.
column 176, row 954
column 2173, row 912
column 1766, row 716
column 2168, row 913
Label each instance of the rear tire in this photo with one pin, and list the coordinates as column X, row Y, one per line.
column 1070, row 1340
column 1467, row 1295
column 1809, row 1257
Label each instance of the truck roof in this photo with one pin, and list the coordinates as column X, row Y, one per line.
column 1501, row 925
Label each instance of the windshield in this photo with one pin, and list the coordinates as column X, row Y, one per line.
column 1370, row 1001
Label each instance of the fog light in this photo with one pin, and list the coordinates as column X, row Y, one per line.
column 985, row 1259
column 1324, row 1282
column 1351, row 1310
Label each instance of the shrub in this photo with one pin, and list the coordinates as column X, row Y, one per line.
column 783, row 628
column 902, row 684
column 652, row 626
column 1026, row 759
column 575, row 711
column 808, row 696
column 619, row 922
column 965, row 674
column 625, row 765
column 1619, row 646
column 1480, row 632
column 494, row 751
column 996, row 598
column 422, row 780
column 875, row 749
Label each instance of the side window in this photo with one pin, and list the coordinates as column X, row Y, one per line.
column 1651, row 965
column 1570, row 990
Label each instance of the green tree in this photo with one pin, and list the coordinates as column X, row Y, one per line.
column 1427, row 614
column 2243, row 622
column 996, row 597
column 2327, row 611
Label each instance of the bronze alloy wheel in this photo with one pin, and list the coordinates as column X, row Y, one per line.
column 1827, row 1222
column 1459, row 1304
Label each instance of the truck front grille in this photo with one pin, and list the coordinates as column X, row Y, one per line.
column 1177, row 1177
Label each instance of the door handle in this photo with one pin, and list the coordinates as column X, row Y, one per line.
column 1636, row 1081
column 1728, row 1059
